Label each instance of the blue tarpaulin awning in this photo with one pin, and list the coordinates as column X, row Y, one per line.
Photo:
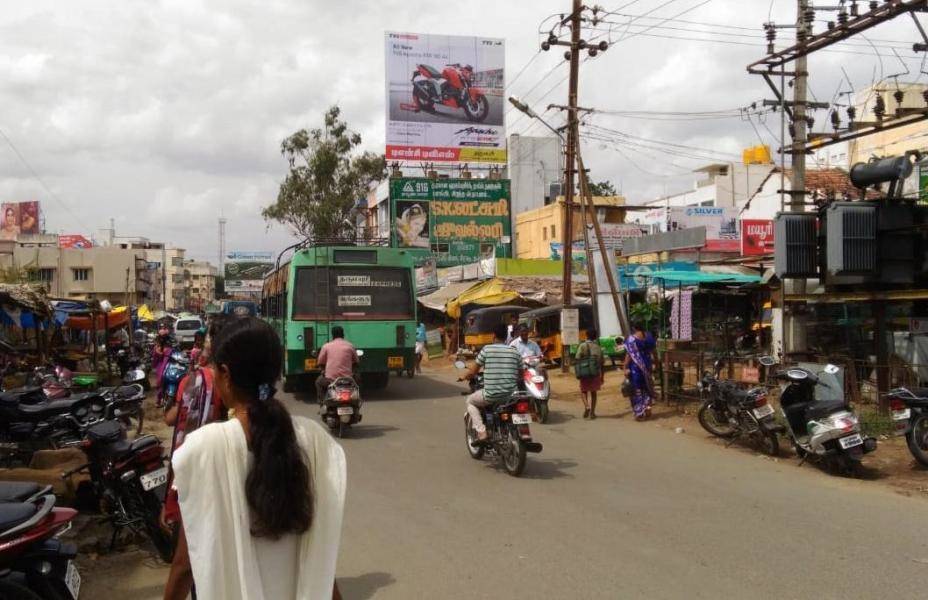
column 674, row 277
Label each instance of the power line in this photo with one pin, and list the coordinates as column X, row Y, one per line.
column 41, row 181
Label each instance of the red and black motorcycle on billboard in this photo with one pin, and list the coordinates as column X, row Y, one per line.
column 453, row 87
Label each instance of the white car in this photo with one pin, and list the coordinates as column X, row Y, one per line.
column 185, row 330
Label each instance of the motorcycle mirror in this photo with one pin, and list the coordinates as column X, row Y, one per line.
column 460, row 364
column 767, row 361
column 832, row 369
column 360, row 352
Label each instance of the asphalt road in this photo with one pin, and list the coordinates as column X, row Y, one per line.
column 442, row 114
column 610, row 509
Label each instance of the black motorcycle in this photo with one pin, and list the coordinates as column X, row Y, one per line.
column 128, row 480
column 341, row 407
column 909, row 410
column 731, row 413
column 508, row 426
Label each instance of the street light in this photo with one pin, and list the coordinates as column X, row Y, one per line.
column 526, row 109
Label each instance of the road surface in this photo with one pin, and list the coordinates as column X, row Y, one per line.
column 610, row 509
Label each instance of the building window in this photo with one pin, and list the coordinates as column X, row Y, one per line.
column 43, row 275
column 544, row 233
column 177, row 261
column 81, row 274
column 553, row 235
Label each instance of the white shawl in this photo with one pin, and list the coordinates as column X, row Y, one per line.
column 209, row 474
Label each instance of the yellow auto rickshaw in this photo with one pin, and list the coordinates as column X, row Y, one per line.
column 545, row 326
column 479, row 324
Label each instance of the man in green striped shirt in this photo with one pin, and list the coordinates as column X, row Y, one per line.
column 501, row 369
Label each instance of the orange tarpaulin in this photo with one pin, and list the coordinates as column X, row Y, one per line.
column 118, row 317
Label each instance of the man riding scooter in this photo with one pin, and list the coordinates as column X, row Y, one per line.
column 534, row 378
column 502, row 365
column 336, row 359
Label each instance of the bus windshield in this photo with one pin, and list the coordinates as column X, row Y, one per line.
column 353, row 293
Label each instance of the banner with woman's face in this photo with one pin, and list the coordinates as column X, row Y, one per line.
column 17, row 218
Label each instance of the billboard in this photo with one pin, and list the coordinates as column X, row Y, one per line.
column 459, row 220
column 756, row 237
column 445, row 98
column 244, row 271
column 723, row 233
column 75, row 241
column 19, row 217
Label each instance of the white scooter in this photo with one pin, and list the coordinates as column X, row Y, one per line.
column 819, row 420
column 535, row 382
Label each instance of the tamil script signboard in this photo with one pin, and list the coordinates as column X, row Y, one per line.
column 445, row 100
column 244, row 271
column 722, row 231
column 460, row 221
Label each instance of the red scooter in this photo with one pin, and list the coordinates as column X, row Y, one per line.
column 33, row 562
column 452, row 87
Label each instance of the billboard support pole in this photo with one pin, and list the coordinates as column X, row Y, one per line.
column 590, row 267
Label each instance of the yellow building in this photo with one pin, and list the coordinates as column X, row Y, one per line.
column 537, row 228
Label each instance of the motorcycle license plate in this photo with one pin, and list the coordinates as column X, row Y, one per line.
column 395, row 362
column 154, row 479
column 763, row 411
column 851, row 441
column 902, row 415
column 345, row 410
column 520, row 419
column 72, row 580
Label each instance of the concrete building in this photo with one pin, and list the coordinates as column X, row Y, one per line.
column 535, row 163
column 201, row 277
column 167, row 269
column 536, row 229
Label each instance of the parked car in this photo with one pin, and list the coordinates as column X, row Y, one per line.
column 185, row 329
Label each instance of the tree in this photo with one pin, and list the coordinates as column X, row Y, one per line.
column 327, row 177
column 602, row 188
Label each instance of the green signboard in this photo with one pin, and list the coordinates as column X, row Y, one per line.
column 458, row 221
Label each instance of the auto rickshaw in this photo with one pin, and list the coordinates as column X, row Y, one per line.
column 479, row 324
column 545, row 326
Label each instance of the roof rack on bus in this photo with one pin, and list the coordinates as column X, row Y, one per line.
column 333, row 241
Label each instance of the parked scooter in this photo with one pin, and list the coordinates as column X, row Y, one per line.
column 177, row 368
column 535, row 382
column 341, row 407
column 909, row 410
column 128, row 480
column 819, row 420
column 731, row 412
column 131, row 368
column 508, row 426
column 33, row 562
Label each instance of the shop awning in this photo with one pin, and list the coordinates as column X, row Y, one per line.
column 488, row 293
column 437, row 299
column 696, row 277
column 116, row 318
column 145, row 314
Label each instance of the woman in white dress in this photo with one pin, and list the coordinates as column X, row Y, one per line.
column 261, row 495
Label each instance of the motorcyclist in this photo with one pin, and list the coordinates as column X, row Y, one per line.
column 502, row 366
column 525, row 346
column 337, row 358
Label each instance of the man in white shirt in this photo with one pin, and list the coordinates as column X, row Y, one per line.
column 525, row 346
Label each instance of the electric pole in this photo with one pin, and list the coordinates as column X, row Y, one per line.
column 800, row 92
column 571, row 151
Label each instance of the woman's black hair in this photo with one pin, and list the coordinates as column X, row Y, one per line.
column 279, row 484
column 591, row 334
column 637, row 326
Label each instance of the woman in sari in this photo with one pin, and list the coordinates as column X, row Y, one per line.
column 638, row 372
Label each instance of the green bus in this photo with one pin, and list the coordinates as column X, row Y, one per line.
column 369, row 291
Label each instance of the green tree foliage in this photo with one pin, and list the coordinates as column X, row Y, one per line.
column 327, row 177
column 602, row 188
column 646, row 313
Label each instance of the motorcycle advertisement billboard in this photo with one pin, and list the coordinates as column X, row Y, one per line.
column 245, row 271
column 460, row 221
column 445, row 98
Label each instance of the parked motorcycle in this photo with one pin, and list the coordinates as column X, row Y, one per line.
column 128, row 480
column 34, row 564
column 177, row 368
column 909, row 410
column 341, row 407
column 535, row 382
column 508, row 426
column 731, row 412
column 452, row 87
column 819, row 420
column 131, row 368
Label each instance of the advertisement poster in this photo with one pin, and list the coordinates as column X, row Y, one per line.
column 756, row 237
column 19, row 217
column 244, row 271
column 722, row 231
column 467, row 219
column 75, row 241
column 445, row 98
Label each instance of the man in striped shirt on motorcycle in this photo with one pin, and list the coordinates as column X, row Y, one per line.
column 501, row 374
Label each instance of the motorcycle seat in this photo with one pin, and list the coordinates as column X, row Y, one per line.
column 15, row 513
column 16, row 396
column 920, row 392
column 18, row 491
column 106, row 432
column 822, row 408
column 123, row 448
column 50, row 407
column 125, row 391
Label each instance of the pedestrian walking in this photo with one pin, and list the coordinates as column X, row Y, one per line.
column 638, row 366
column 421, row 338
column 588, row 367
column 261, row 494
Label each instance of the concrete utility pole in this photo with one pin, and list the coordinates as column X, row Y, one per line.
column 571, row 152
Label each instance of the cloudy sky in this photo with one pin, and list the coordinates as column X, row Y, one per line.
column 164, row 114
